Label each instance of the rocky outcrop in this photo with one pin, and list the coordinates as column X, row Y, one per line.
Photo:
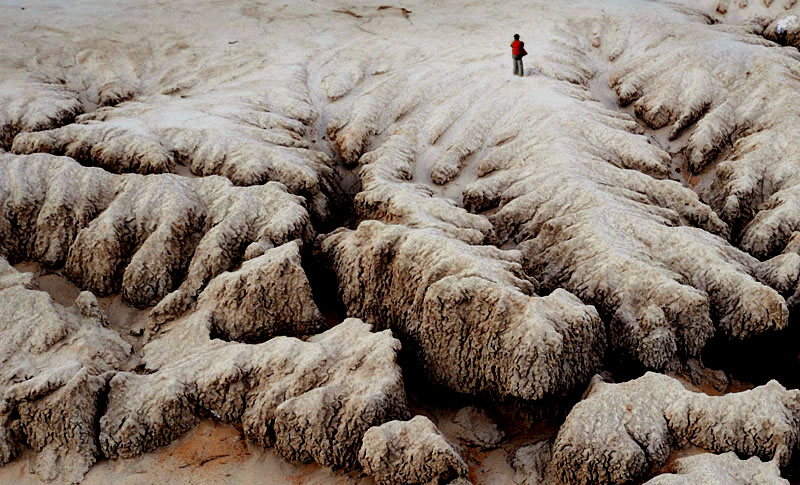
column 568, row 181
column 146, row 236
column 782, row 272
column 619, row 432
column 56, row 362
column 647, row 252
column 312, row 400
column 411, row 452
column 64, row 388
column 514, row 234
column 644, row 251
column 472, row 426
column 389, row 194
column 785, row 29
column 468, row 314
column 268, row 296
column 627, row 246
column 724, row 469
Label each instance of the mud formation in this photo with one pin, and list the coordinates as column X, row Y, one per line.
column 248, row 175
column 530, row 463
column 738, row 107
column 574, row 185
column 56, row 362
column 157, row 239
column 269, row 296
column 312, row 400
column 412, row 452
column 724, row 469
column 621, row 432
column 467, row 313
column 252, row 130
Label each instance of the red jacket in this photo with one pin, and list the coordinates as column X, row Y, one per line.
column 516, row 48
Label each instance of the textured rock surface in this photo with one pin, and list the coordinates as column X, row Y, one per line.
column 241, row 119
column 32, row 106
column 142, row 235
column 312, row 400
column 467, row 313
column 530, row 463
column 635, row 193
column 473, row 426
column 269, row 296
column 623, row 242
column 782, row 272
column 54, row 363
column 647, row 252
column 724, row 469
column 619, row 432
column 568, row 179
column 412, row 452
column 735, row 98
column 785, row 29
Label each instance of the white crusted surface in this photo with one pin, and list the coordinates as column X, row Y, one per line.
column 268, row 296
column 412, row 452
column 53, row 369
column 619, row 432
column 312, row 400
column 425, row 107
column 467, row 313
column 724, row 469
column 138, row 234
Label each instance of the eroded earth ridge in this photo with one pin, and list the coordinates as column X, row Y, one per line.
column 347, row 234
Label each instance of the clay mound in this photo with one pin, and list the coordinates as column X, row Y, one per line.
column 56, row 362
column 782, row 272
column 312, row 400
column 230, row 132
column 644, row 251
column 515, row 234
column 724, row 469
column 251, row 304
column 412, row 452
column 142, row 235
column 467, row 313
column 571, row 183
column 785, row 29
column 638, row 248
column 390, row 195
column 620, row 432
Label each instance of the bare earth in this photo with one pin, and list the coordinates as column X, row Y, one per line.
column 329, row 243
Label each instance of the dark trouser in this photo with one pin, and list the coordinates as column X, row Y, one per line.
column 518, row 66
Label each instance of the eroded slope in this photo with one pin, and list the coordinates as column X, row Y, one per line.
column 56, row 362
column 514, row 234
column 144, row 236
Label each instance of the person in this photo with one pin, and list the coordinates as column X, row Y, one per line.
column 517, row 53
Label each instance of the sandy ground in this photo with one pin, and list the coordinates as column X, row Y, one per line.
column 211, row 453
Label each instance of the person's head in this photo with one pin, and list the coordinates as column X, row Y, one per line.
column 516, row 36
